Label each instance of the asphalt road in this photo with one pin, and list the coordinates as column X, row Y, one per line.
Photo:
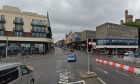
column 112, row 75
column 53, row 68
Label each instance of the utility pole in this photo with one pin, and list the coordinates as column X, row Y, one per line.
column 6, row 47
column 88, row 56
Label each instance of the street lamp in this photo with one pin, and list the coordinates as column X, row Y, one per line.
column 6, row 47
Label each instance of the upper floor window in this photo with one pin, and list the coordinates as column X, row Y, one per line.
column 2, row 25
column 19, row 20
column 1, row 33
column 2, row 18
column 38, row 22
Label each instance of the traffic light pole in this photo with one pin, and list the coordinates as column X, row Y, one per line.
column 88, row 56
column 89, row 72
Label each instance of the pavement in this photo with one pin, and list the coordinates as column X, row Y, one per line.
column 118, row 60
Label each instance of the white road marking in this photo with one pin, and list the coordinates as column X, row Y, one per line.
column 121, row 73
column 102, row 70
column 64, row 76
column 101, row 80
column 82, row 81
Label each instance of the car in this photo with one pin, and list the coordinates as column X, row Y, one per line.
column 128, row 53
column 136, row 54
column 16, row 73
column 72, row 58
column 71, row 50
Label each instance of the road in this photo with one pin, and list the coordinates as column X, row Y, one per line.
column 53, row 68
column 114, row 75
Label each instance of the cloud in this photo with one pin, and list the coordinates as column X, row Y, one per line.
column 77, row 15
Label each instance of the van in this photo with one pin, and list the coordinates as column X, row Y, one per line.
column 16, row 73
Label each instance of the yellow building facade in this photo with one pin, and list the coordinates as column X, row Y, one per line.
column 24, row 32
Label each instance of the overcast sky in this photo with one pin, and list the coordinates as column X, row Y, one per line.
column 77, row 15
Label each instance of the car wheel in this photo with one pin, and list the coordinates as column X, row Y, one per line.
column 32, row 82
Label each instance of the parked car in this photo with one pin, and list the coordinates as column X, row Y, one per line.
column 128, row 53
column 131, row 54
column 136, row 54
column 72, row 58
column 16, row 73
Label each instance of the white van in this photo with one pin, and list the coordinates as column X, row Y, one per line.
column 15, row 73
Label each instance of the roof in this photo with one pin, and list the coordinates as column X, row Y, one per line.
column 16, row 10
column 116, row 24
column 9, row 65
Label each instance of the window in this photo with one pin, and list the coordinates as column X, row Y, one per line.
column 1, row 33
column 44, row 35
column 24, row 70
column 40, row 35
column 108, row 26
column 2, row 17
column 8, row 75
column 37, row 34
column 1, row 25
column 18, row 34
column 33, row 34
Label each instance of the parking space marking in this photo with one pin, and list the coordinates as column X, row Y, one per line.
column 101, row 80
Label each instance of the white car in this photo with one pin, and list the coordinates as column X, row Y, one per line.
column 16, row 73
column 129, row 53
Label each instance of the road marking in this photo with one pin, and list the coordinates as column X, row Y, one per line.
column 82, row 81
column 121, row 73
column 102, row 70
column 101, row 80
column 64, row 76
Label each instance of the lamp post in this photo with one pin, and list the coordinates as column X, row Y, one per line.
column 6, row 47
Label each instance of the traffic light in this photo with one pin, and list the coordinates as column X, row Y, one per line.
column 89, row 45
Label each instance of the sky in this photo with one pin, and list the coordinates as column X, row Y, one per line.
column 77, row 15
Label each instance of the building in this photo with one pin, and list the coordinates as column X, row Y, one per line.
column 76, row 39
column 68, row 39
column 24, row 32
column 60, row 43
column 87, row 34
column 116, row 39
column 129, row 22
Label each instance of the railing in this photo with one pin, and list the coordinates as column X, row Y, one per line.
column 18, row 22
column 16, row 29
